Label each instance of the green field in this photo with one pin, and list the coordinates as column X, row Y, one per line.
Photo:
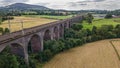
column 99, row 22
column 50, row 16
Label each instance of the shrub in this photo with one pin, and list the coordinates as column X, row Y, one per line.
column 95, row 37
column 69, row 33
column 77, row 26
column 47, row 54
column 8, row 61
column 1, row 30
column 117, row 26
column 108, row 16
column 6, row 31
column 94, row 30
column 111, row 35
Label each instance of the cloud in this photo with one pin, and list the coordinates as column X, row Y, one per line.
column 42, row 4
column 94, row 4
column 7, row 2
column 95, row 0
column 70, row 4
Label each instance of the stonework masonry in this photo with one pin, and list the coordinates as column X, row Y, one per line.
column 32, row 40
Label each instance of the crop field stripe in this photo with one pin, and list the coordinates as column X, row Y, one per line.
column 115, row 48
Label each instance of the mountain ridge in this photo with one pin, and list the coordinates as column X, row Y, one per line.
column 23, row 6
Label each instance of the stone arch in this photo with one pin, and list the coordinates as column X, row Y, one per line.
column 65, row 25
column 56, row 33
column 34, row 44
column 17, row 49
column 61, row 30
column 47, row 35
column 69, row 24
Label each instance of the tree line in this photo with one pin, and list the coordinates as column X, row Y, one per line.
column 5, row 16
column 4, row 31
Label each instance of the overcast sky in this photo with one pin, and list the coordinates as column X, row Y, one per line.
column 70, row 4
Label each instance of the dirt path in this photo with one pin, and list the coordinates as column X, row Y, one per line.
column 98, row 54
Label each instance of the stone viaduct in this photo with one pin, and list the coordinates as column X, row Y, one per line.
column 31, row 40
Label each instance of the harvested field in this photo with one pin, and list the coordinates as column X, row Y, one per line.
column 98, row 54
column 116, row 43
column 28, row 22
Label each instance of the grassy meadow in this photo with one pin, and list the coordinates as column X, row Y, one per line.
column 99, row 22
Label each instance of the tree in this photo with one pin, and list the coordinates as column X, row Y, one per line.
column 117, row 30
column 117, row 26
column 108, row 16
column 69, row 33
column 47, row 54
column 8, row 61
column 94, row 30
column 77, row 26
column 0, row 20
column 1, row 30
column 89, row 18
column 7, row 30
column 89, row 32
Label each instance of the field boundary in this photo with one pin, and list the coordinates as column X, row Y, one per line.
column 111, row 42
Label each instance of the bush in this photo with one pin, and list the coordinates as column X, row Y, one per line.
column 117, row 32
column 94, row 30
column 111, row 35
column 54, row 46
column 108, row 16
column 1, row 30
column 107, row 27
column 47, row 44
column 47, row 54
column 77, row 26
column 0, row 20
column 88, row 39
column 95, row 37
column 21, row 61
column 79, row 42
column 89, row 32
column 69, row 33
column 89, row 18
column 83, row 33
column 117, row 26
column 6, row 31
column 8, row 61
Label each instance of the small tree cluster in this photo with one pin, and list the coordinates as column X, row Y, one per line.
column 4, row 31
column 89, row 18
column 108, row 16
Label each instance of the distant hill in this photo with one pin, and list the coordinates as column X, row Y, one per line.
column 23, row 6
